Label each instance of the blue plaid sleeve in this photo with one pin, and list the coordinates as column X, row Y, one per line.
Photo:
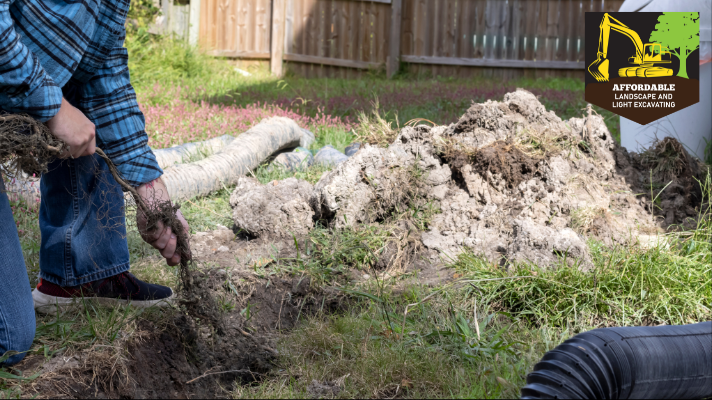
column 25, row 87
column 109, row 100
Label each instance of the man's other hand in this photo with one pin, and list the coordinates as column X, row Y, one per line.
column 75, row 129
column 161, row 238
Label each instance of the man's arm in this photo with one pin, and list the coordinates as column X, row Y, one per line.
column 25, row 87
column 109, row 100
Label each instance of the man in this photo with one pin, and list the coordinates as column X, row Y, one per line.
column 63, row 62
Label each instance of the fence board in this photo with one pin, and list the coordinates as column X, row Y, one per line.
column 442, row 37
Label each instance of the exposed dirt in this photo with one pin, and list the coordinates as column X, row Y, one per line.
column 675, row 181
column 500, row 159
column 163, row 358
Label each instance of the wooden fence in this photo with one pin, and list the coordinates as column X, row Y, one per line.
column 505, row 38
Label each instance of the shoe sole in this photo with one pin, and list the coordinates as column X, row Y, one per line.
column 51, row 305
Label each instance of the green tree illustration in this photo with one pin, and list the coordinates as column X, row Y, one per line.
column 680, row 33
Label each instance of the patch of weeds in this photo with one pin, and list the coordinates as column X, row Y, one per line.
column 437, row 356
column 28, row 229
column 377, row 129
column 266, row 173
column 327, row 254
column 628, row 286
column 335, row 136
column 206, row 213
column 697, row 244
column 666, row 158
column 420, row 214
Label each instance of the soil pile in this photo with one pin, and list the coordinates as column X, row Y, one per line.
column 513, row 182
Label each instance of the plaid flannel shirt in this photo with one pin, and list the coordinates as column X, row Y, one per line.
column 50, row 49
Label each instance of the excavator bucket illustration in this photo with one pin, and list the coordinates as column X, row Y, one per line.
column 599, row 69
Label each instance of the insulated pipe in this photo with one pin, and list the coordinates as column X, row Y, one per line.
column 664, row 362
column 238, row 158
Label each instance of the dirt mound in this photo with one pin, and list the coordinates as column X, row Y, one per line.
column 514, row 182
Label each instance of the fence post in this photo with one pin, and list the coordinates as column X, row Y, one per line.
column 277, row 42
column 394, row 39
column 194, row 21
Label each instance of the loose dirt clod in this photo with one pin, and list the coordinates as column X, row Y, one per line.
column 277, row 209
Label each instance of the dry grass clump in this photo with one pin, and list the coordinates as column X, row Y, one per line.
column 582, row 219
column 373, row 128
column 666, row 158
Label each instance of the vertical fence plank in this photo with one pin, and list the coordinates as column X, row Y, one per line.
column 420, row 28
column 503, row 24
column 277, row 45
column 204, row 21
column 406, row 33
column 394, row 40
column 562, row 38
column 463, row 9
column 530, row 10
column 289, row 26
column 512, row 32
column 453, row 28
column 472, row 27
column 579, row 31
column 552, row 28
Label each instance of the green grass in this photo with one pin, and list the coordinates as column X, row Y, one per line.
column 627, row 287
column 371, row 360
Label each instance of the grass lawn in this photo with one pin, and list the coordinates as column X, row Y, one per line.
column 477, row 337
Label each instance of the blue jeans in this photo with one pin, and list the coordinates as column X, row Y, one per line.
column 82, row 223
column 17, row 314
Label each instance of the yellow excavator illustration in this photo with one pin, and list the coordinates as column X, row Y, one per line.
column 645, row 55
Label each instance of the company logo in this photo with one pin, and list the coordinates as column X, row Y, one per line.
column 642, row 66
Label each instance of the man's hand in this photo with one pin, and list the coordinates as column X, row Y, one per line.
column 75, row 129
column 161, row 238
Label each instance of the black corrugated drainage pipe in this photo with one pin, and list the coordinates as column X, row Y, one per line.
column 661, row 362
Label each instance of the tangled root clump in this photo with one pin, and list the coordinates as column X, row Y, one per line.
column 26, row 145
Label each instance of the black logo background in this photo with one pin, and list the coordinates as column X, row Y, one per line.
column 620, row 47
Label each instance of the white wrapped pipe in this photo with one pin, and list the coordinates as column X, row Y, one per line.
column 191, row 151
column 238, row 158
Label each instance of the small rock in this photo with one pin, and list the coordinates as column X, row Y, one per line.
column 294, row 160
column 366, row 276
column 329, row 156
column 223, row 249
column 352, row 149
column 307, row 138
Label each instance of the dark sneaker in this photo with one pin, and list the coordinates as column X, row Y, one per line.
column 123, row 288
